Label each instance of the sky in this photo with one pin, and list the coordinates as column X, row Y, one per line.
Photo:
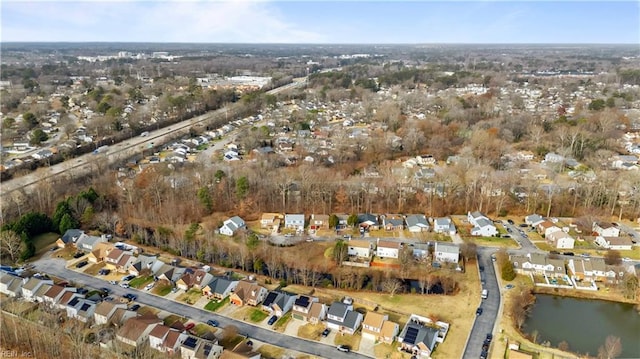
column 348, row 22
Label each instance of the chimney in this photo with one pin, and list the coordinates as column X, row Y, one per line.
column 253, row 293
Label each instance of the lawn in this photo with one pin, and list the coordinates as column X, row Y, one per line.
column 311, row 331
column 94, row 268
column 282, row 322
column 229, row 344
column 172, row 318
column 191, row 296
column 202, row 329
column 140, row 282
column 148, row 311
column 492, row 241
column 352, row 341
column 162, row 289
column 252, row 314
column 271, row 352
column 65, row 253
column 215, row 304
column 390, row 351
column 43, row 241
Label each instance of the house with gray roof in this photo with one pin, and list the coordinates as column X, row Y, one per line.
column 278, row 303
column 446, row 252
column 533, row 219
column 418, row 338
column 10, row 285
column 417, row 223
column 81, row 309
column 232, row 225
column 69, row 238
column 88, row 243
column 444, row 225
column 219, row 288
column 343, row 318
column 144, row 262
column 294, row 221
column 482, row 225
column 31, row 285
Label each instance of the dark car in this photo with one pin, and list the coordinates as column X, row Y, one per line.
column 489, row 337
column 130, row 296
column 213, row 323
column 78, row 255
column 554, row 252
column 568, row 254
column 481, row 268
column 510, row 221
column 479, row 311
column 523, row 225
column 82, row 264
column 483, row 354
column 134, row 307
column 82, row 290
column 104, row 271
column 272, row 320
column 326, row 332
column 344, row 348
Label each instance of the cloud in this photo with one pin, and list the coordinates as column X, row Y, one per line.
column 192, row 21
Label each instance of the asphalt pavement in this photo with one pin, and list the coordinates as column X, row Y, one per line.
column 56, row 267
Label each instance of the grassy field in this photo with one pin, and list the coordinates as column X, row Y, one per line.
column 271, row 352
column 390, row 351
column 256, row 315
column 148, row 311
column 162, row 289
column 352, row 341
column 94, row 268
column 229, row 344
column 492, row 241
column 202, row 329
column 44, row 241
column 282, row 322
column 214, row 305
column 172, row 319
column 311, row 331
column 191, row 296
column 140, row 282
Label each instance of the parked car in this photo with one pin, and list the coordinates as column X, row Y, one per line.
column 134, row 307
column 326, row 332
column 489, row 337
column 479, row 311
column 128, row 277
column 510, row 221
column 82, row 264
column 105, row 290
column 82, row 290
column 113, row 282
column 124, row 285
column 189, row 326
column 523, row 225
column 213, row 323
column 626, row 259
column 104, row 271
column 272, row 320
column 508, row 286
column 481, row 268
column 78, row 255
column 149, row 286
column 571, row 254
column 344, row 348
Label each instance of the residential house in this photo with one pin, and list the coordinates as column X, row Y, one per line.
column 105, row 310
column 88, row 243
column 81, row 309
column 165, row 339
column 368, row 221
column 546, row 227
column 533, row 219
column 446, row 252
column 482, row 225
column 373, row 324
column 31, row 285
column 343, row 221
column 197, row 348
column 232, row 225
column 387, row 249
column 617, row 243
column 444, row 225
column 248, row 293
column 418, row 338
column 11, row 285
column 39, row 296
column 317, row 313
column 219, row 288
column 271, row 221
column 193, row 279
column 421, row 250
column 100, row 252
column 319, row 221
column 55, row 293
column 389, row 332
column 145, row 264
column 169, row 273
column 592, row 269
column 294, row 221
column 359, row 248
column 538, row 263
column 392, row 222
column 343, row 318
column 119, row 260
column 67, row 297
column 136, row 330
column 278, row 303
column 606, row 229
column 69, row 238
column 120, row 317
column 560, row 240
column 417, row 223
column 302, row 306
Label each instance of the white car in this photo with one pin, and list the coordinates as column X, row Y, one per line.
column 148, row 286
column 124, row 285
column 625, row 259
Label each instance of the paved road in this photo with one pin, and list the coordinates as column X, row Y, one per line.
column 55, row 266
column 522, row 240
column 484, row 323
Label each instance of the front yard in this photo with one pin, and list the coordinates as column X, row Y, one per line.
column 281, row 323
column 311, row 331
column 190, row 297
column 352, row 341
column 215, row 304
column 492, row 241
column 271, row 352
column 162, row 288
column 140, row 282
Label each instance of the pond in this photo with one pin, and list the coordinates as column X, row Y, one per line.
column 585, row 324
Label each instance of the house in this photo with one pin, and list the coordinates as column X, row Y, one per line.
column 88, row 243
column 136, row 330
column 444, row 225
column 538, row 263
column 343, row 220
column 145, row 264
column 343, row 318
column 120, row 316
column 105, row 310
column 193, row 279
column 11, row 285
column 100, row 252
column 533, row 219
column 69, row 238
column 165, row 339
column 368, row 221
column 31, row 285
column 560, row 240
column 377, row 327
column 168, row 272
column 392, row 222
column 219, row 288
column 388, row 249
column 294, row 221
column 232, row 225
column 119, row 260
column 319, row 221
column 270, row 221
column 359, row 248
column 421, row 250
column 617, row 243
column 55, row 293
column 67, row 297
column 546, row 227
column 302, row 306
column 606, row 229
column 278, row 303
column 81, row 309
column 389, row 332
column 417, row 223
column 592, row 269
column 39, row 296
column 482, row 225
column 197, row 348
column 446, row 252
column 317, row 313
column 418, row 338
column 248, row 293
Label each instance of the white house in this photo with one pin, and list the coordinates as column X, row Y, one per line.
column 482, row 225
column 31, row 285
column 561, row 240
column 417, row 223
column 294, row 221
column 388, row 249
column 617, row 243
column 446, row 252
column 232, row 225
column 359, row 248
column 444, row 225
column 606, row 229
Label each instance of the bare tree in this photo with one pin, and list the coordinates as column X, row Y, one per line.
column 11, row 245
column 391, row 285
column 612, row 348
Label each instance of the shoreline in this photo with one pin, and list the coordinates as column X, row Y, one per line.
column 574, row 293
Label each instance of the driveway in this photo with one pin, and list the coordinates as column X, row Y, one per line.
column 367, row 347
column 293, row 326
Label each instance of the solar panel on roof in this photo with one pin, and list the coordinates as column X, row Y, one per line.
column 302, row 301
column 412, row 334
column 190, row 342
column 270, row 298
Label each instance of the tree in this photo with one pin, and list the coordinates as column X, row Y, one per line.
column 340, row 251
column 612, row 348
column 333, row 221
column 612, row 257
column 67, row 222
column 508, row 273
column 38, row 136
column 597, row 105
column 11, row 245
column 630, row 284
column 391, row 285
column 229, row 333
column 62, row 208
column 205, row 198
column 469, row 250
column 352, row 220
column 564, row 346
column 242, row 187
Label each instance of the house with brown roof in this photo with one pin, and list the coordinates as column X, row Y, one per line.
column 66, row 298
column 136, row 330
column 545, row 227
column 39, row 295
column 317, row 313
column 120, row 316
column 606, row 229
column 53, row 295
column 100, row 252
column 389, row 332
column 271, row 221
column 193, row 278
column 319, row 221
column 166, row 339
column 249, row 293
column 105, row 310
column 372, row 325
column 360, row 248
column 617, row 243
column 31, row 285
column 388, row 249
column 592, row 269
column 119, row 260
